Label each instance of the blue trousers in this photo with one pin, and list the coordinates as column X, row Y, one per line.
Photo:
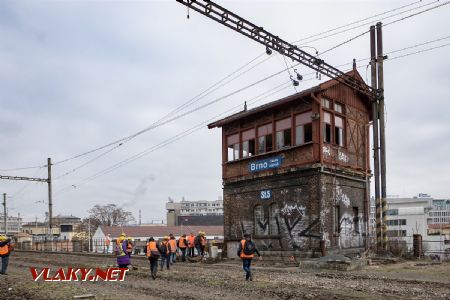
column 246, row 263
column 172, row 256
column 5, row 260
column 165, row 259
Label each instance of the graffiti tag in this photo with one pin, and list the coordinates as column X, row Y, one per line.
column 343, row 157
column 288, row 210
column 342, row 197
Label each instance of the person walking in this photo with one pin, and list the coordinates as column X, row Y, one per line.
column 130, row 246
column 123, row 260
column 164, row 246
column 6, row 246
column 246, row 252
column 198, row 243
column 191, row 245
column 153, row 253
column 182, row 244
column 173, row 249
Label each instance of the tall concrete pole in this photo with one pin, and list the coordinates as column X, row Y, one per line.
column 4, row 214
column 380, row 58
column 50, row 209
column 375, row 139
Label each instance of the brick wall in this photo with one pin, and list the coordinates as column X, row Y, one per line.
column 300, row 212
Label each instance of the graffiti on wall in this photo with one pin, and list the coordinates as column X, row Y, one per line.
column 291, row 209
column 342, row 157
column 326, row 151
column 342, row 197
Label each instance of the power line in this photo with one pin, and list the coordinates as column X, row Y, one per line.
column 367, row 23
column 418, row 13
column 125, row 139
column 418, row 52
column 355, row 22
column 217, row 84
column 384, row 25
column 226, row 96
column 22, row 168
column 200, row 126
column 88, row 162
column 176, row 137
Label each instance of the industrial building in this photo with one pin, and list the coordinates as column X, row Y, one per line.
column 202, row 212
column 296, row 171
column 13, row 224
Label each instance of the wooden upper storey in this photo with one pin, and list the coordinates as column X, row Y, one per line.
column 327, row 124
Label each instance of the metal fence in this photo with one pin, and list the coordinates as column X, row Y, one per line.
column 57, row 246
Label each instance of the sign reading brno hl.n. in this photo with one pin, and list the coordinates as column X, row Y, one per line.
column 265, row 164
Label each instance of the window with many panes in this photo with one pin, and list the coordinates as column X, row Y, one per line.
column 248, row 143
column 303, row 128
column 265, row 138
column 283, row 133
column 233, row 147
column 333, row 123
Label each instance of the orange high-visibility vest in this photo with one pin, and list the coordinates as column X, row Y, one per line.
column 4, row 250
column 191, row 241
column 173, row 245
column 182, row 242
column 152, row 249
column 243, row 255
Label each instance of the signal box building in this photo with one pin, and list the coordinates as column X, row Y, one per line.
column 296, row 171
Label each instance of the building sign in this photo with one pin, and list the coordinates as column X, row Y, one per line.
column 265, row 194
column 265, row 164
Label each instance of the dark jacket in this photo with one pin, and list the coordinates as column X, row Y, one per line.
column 240, row 248
column 198, row 241
column 164, row 249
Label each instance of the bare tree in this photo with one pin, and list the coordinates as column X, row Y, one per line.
column 109, row 215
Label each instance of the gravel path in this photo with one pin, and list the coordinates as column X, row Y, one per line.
column 407, row 280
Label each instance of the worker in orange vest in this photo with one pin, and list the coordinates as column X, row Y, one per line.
column 200, row 243
column 107, row 243
column 153, row 253
column 182, row 244
column 191, row 245
column 173, row 249
column 246, row 252
column 6, row 246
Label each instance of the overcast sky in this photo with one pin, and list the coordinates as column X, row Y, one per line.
column 76, row 75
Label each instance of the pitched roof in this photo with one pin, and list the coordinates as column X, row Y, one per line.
column 302, row 94
column 159, row 231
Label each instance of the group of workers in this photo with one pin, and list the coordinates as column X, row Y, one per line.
column 167, row 248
